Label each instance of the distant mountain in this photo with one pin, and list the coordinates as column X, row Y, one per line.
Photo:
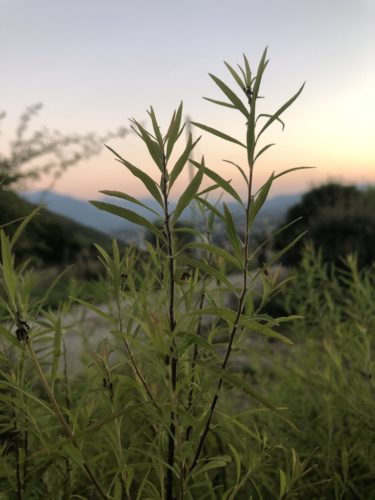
column 78, row 210
column 83, row 212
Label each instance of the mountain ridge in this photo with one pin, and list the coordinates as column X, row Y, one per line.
column 84, row 213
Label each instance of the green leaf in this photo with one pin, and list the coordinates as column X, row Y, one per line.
column 281, row 110
column 260, row 199
column 235, row 75
column 220, row 103
column 219, row 180
column 264, row 330
column 222, row 312
column 188, row 195
column 239, row 169
column 261, row 151
column 148, row 182
column 128, row 215
column 218, row 133
column 174, row 130
column 212, row 249
column 156, row 128
column 211, row 271
column 212, row 463
column 250, row 133
column 155, row 151
column 8, row 270
column 181, row 162
column 236, row 101
column 290, row 170
column 282, row 479
column 247, row 69
column 124, row 196
column 277, row 257
column 261, row 68
column 23, row 224
column 237, row 459
column 236, row 243
column 210, row 207
column 267, row 115
column 95, row 309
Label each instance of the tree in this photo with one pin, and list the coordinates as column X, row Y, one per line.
column 33, row 153
column 338, row 219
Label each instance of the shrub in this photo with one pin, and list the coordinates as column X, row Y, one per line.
column 159, row 411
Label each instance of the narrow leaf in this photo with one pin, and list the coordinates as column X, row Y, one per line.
column 222, row 312
column 235, row 75
column 260, row 199
column 188, row 195
column 219, row 180
column 128, row 215
column 239, row 169
column 124, row 196
column 261, row 151
column 213, row 249
column 220, row 103
column 247, row 69
column 156, row 128
column 236, row 243
column 181, row 162
column 211, row 208
column 174, row 130
column 218, row 134
column 148, row 182
column 281, row 110
column 8, row 270
column 95, row 309
column 236, row 101
column 22, row 226
column 152, row 146
column 264, row 330
column 211, row 271
column 290, row 170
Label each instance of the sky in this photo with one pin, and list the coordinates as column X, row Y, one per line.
column 95, row 64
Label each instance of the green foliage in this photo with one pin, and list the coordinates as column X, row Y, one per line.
column 162, row 408
column 328, row 378
column 339, row 220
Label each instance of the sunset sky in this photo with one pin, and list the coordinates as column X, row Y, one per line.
column 94, row 64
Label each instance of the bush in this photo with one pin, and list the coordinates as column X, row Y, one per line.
column 162, row 408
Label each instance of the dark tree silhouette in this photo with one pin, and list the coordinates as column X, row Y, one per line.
column 338, row 219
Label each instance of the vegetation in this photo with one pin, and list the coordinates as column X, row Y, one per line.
column 194, row 391
column 338, row 220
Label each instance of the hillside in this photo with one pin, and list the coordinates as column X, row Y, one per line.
column 82, row 212
column 49, row 238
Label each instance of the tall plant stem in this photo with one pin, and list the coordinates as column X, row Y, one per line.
column 171, row 360
column 62, row 419
column 240, row 306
